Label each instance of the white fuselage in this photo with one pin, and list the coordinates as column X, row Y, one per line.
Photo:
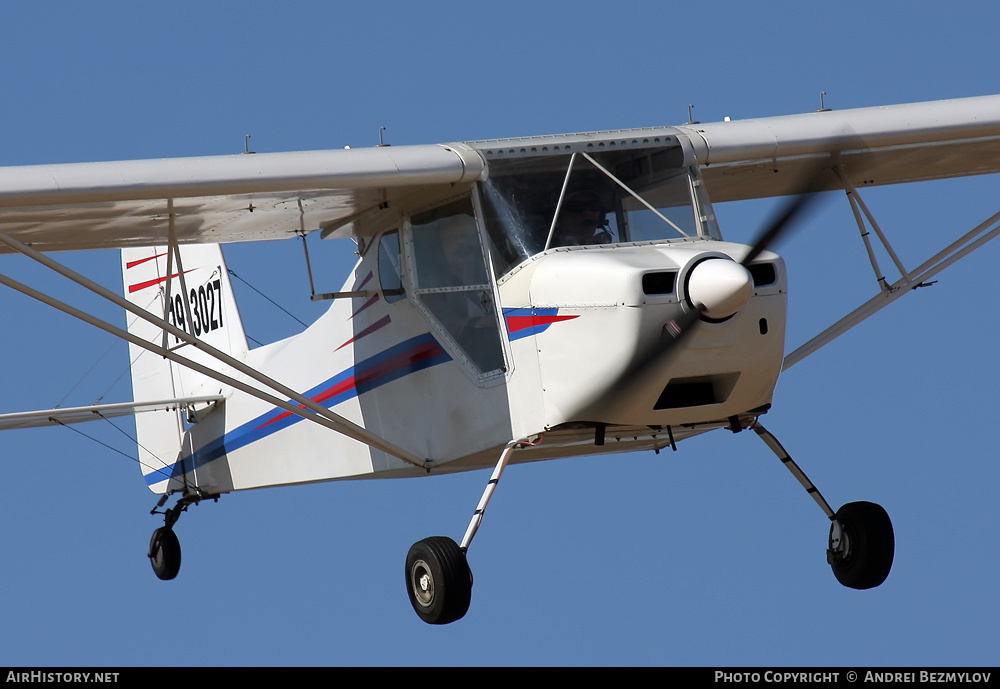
column 574, row 321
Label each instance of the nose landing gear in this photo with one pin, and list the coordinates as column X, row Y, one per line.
column 861, row 544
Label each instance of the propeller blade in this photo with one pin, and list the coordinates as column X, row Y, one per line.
column 780, row 223
column 674, row 332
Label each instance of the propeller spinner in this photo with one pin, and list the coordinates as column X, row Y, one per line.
column 718, row 288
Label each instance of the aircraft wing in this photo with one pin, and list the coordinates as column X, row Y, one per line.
column 881, row 145
column 219, row 199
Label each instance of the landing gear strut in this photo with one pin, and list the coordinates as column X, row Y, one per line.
column 438, row 577
column 861, row 544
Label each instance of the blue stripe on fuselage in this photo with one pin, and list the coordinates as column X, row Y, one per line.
column 394, row 363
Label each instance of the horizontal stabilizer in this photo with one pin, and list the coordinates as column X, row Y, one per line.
column 67, row 415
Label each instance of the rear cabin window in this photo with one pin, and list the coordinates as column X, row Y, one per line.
column 390, row 267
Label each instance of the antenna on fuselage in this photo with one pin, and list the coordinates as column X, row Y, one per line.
column 691, row 119
column 380, row 142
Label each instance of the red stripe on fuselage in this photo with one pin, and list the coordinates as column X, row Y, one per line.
column 366, row 305
column 388, row 366
column 382, row 322
column 515, row 323
column 424, row 351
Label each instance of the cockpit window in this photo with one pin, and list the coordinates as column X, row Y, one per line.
column 535, row 204
column 671, row 216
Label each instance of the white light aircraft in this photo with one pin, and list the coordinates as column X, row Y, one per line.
column 514, row 300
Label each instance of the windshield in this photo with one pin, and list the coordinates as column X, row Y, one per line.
column 534, row 204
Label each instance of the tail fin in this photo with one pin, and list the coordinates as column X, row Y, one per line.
column 206, row 309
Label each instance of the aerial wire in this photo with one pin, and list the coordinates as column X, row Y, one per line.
column 233, row 273
column 87, row 373
column 90, row 437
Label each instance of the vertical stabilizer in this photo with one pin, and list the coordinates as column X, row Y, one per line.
column 202, row 303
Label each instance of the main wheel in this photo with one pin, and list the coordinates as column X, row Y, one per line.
column 864, row 560
column 165, row 553
column 438, row 580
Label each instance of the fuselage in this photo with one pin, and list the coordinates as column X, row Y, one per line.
column 529, row 303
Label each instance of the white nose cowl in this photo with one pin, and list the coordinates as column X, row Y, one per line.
column 723, row 287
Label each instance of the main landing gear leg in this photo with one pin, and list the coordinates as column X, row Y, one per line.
column 861, row 544
column 438, row 576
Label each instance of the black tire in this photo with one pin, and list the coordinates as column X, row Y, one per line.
column 438, row 580
column 165, row 553
column 870, row 546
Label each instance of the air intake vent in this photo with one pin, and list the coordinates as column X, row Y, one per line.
column 686, row 394
column 659, row 283
column 762, row 274
column 697, row 391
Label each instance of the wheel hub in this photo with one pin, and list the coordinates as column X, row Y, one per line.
column 839, row 545
column 422, row 583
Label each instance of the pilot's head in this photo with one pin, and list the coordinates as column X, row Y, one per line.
column 582, row 213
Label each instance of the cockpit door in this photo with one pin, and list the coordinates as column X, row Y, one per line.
column 453, row 286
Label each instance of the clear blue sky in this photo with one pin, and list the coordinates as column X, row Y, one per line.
column 709, row 556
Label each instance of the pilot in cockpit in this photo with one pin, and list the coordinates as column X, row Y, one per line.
column 582, row 220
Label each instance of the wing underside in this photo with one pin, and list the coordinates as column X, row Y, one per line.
column 220, row 199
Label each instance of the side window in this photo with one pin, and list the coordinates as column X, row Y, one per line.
column 389, row 267
column 452, row 281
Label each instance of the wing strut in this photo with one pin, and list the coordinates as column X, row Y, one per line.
column 857, row 207
column 302, row 406
column 174, row 253
column 958, row 249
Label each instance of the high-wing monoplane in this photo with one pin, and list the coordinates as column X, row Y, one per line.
column 513, row 300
